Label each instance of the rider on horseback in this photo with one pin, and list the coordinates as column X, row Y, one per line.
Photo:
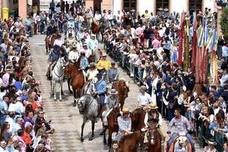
column 51, row 29
column 100, row 88
column 124, row 124
column 53, row 58
column 180, row 124
column 111, row 102
column 152, row 117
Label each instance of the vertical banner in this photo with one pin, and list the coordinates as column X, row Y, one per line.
column 5, row 13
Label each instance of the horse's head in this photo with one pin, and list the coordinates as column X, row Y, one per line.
column 137, row 117
column 82, row 104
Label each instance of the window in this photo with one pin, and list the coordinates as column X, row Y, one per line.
column 162, row 4
column 162, row 7
column 129, row 5
column 195, row 5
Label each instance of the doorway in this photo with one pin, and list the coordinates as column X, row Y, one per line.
column 129, row 5
column 97, row 5
column 195, row 6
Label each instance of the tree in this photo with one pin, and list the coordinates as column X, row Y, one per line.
column 224, row 22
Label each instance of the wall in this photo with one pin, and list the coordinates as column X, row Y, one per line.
column 178, row 6
column 209, row 4
column 117, row 6
column 107, row 5
column 22, row 8
column 149, row 5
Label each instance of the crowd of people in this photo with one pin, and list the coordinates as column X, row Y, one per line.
column 146, row 46
column 24, row 127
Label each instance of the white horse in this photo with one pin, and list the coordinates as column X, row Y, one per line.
column 57, row 77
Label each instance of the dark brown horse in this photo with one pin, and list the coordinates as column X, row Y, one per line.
column 135, row 142
column 137, row 118
column 130, row 143
column 95, row 27
column 123, row 89
column 75, row 80
column 112, row 125
column 49, row 42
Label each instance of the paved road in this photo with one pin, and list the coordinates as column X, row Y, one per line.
column 65, row 118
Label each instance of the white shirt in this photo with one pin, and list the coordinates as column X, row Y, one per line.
column 58, row 42
column 146, row 119
column 73, row 56
column 144, row 99
column 19, row 108
column 91, row 74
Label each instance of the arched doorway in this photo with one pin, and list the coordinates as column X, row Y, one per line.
column 195, row 6
column 129, row 5
column 97, row 5
column 162, row 7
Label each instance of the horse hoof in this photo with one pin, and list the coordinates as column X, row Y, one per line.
column 91, row 138
column 74, row 104
column 82, row 140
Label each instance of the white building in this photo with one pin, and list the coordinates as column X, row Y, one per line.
column 152, row 5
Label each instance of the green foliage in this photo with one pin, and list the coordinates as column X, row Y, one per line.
column 224, row 22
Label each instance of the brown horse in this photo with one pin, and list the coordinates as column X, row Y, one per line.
column 123, row 89
column 95, row 27
column 137, row 118
column 49, row 42
column 130, row 143
column 75, row 80
column 134, row 142
column 112, row 125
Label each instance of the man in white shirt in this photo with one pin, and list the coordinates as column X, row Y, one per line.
column 144, row 98
column 59, row 42
column 73, row 54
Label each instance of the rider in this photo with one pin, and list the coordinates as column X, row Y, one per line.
column 180, row 124
column 92, row 72
column 100, row 88
column 111, row 102
column 84, row 64
column 70, row 41
column 73, row 54
column 113, row 73
column 51, row 29
column 93, row 45
column 152, row 116
column 124, row 124
column 53, row 58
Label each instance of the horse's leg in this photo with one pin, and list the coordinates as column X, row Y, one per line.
column 74, row 104
column 61, row 90
column 93, row 126
column 82, row 129
column 68, row 82
column 109, row 138
column 54, row 90
column 104, row 135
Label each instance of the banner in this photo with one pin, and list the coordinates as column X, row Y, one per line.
column 5, row 13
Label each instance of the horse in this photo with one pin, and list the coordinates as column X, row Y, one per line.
column 95, row 27
column 122, row 87
column 137, row 117
column 180, row 142
column 112, row 125
column 49, row 42
column 90, row 109
column 75, row 79
column 57, row 76
column 130, row 142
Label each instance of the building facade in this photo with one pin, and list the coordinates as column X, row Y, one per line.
column 153, row 6
column 13, row 8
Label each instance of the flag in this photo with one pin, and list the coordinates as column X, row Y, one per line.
column 186, row 46
column 212, row 48
column 194, row 43
column 181, row 40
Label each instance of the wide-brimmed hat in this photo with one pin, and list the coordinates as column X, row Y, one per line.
column 104, row 55
column 153, row 106
column 125, row 110
column 92, row 65
column 113, row 92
